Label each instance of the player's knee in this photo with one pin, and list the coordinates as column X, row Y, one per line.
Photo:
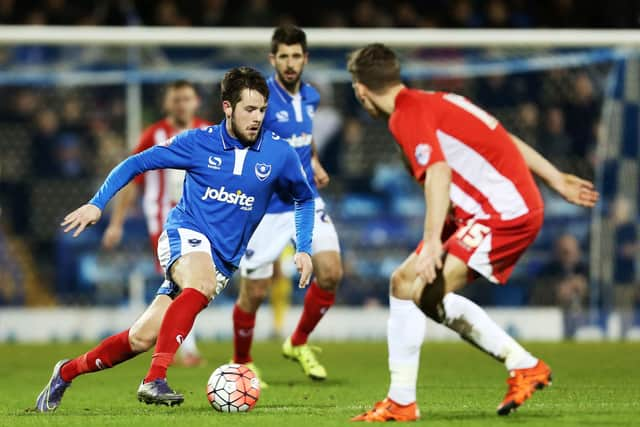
column 258, row 293
column 252, row 294
column 141, row 341
column 329, row 277
column 429, row 299
column 206, row 287
column 400, row 285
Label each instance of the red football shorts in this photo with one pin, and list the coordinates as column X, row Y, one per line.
column 492, row 247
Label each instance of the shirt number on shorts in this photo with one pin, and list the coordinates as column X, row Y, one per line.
column 472, row 234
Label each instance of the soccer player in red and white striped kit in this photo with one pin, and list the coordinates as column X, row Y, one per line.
column 483, row 211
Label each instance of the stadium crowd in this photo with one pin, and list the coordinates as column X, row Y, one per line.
column 349, row 13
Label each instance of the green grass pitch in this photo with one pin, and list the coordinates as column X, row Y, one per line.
column 595, row 384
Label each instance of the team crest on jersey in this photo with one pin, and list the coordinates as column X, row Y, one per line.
column 423, row 153
column 262, row 171
column 310, row 111
column 282, row 116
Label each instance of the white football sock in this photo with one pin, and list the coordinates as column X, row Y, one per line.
column 473, row 324
column 405, row 333
column 189, row 345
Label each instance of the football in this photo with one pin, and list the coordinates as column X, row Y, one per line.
column 233, row 388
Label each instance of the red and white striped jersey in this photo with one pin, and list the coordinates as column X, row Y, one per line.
column 490, row 178
column 162, row 188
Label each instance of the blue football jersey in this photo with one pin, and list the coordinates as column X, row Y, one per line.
column 291, row 117
column 227, row 187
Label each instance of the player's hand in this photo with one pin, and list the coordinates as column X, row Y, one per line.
column 81, row 218
column 429, row 260
column 320, row 176
column 112, row 236
column 577, row 190
column 305, row 268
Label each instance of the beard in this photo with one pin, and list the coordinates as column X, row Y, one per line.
column 245, row 139
column 290, row 86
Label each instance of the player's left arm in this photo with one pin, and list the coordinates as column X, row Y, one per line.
column 320, row 175
column 574, row 189
column 293, row 183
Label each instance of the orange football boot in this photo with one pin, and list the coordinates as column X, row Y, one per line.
column 388, row 410
column 522, row 384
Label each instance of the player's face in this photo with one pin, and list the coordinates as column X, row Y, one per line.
column 289, row 61
column 181, row 105
column 362, row 94
column 245, row 119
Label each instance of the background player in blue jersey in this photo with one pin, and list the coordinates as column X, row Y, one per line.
column 232, row 170
column 292, row 104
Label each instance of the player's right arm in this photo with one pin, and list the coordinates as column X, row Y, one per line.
column 174, row 154
column 436, row 192
column 574, row 189
column 416, row 134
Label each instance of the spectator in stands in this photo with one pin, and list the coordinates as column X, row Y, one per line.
column 257, row 13
column 167, row 14
column 582, row 115
column 406, row 15
column 526, row 125
column 564, row 282
column 462, row 15
column 555, row 144
column 497, row 14
column 626, row 285
column 44, row 138
column 367, row 14
column 8, row 12
column 211, row 13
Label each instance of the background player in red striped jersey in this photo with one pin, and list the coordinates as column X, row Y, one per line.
column 161, row 189
column 484, row 210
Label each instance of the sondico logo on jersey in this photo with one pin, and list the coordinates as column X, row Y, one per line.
column 238, row 198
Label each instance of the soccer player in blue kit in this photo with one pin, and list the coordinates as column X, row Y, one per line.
column 292, row 105
column 232, row 170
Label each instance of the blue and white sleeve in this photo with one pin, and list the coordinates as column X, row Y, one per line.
column 293, row 182
column 174, row 154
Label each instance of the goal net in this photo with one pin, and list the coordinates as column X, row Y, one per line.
column 74, row 105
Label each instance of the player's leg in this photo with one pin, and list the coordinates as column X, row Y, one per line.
column 188, row 351
column 494, row 256
column 256, row 269
column 110, row 352
column 405, row 333
column 281, row 291
column 321, row 294
column 192, row 268
column 253, row 291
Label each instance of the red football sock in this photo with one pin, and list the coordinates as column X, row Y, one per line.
column 107, row 354
column 316, row 303
column 176, row 324
column 243, row 324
